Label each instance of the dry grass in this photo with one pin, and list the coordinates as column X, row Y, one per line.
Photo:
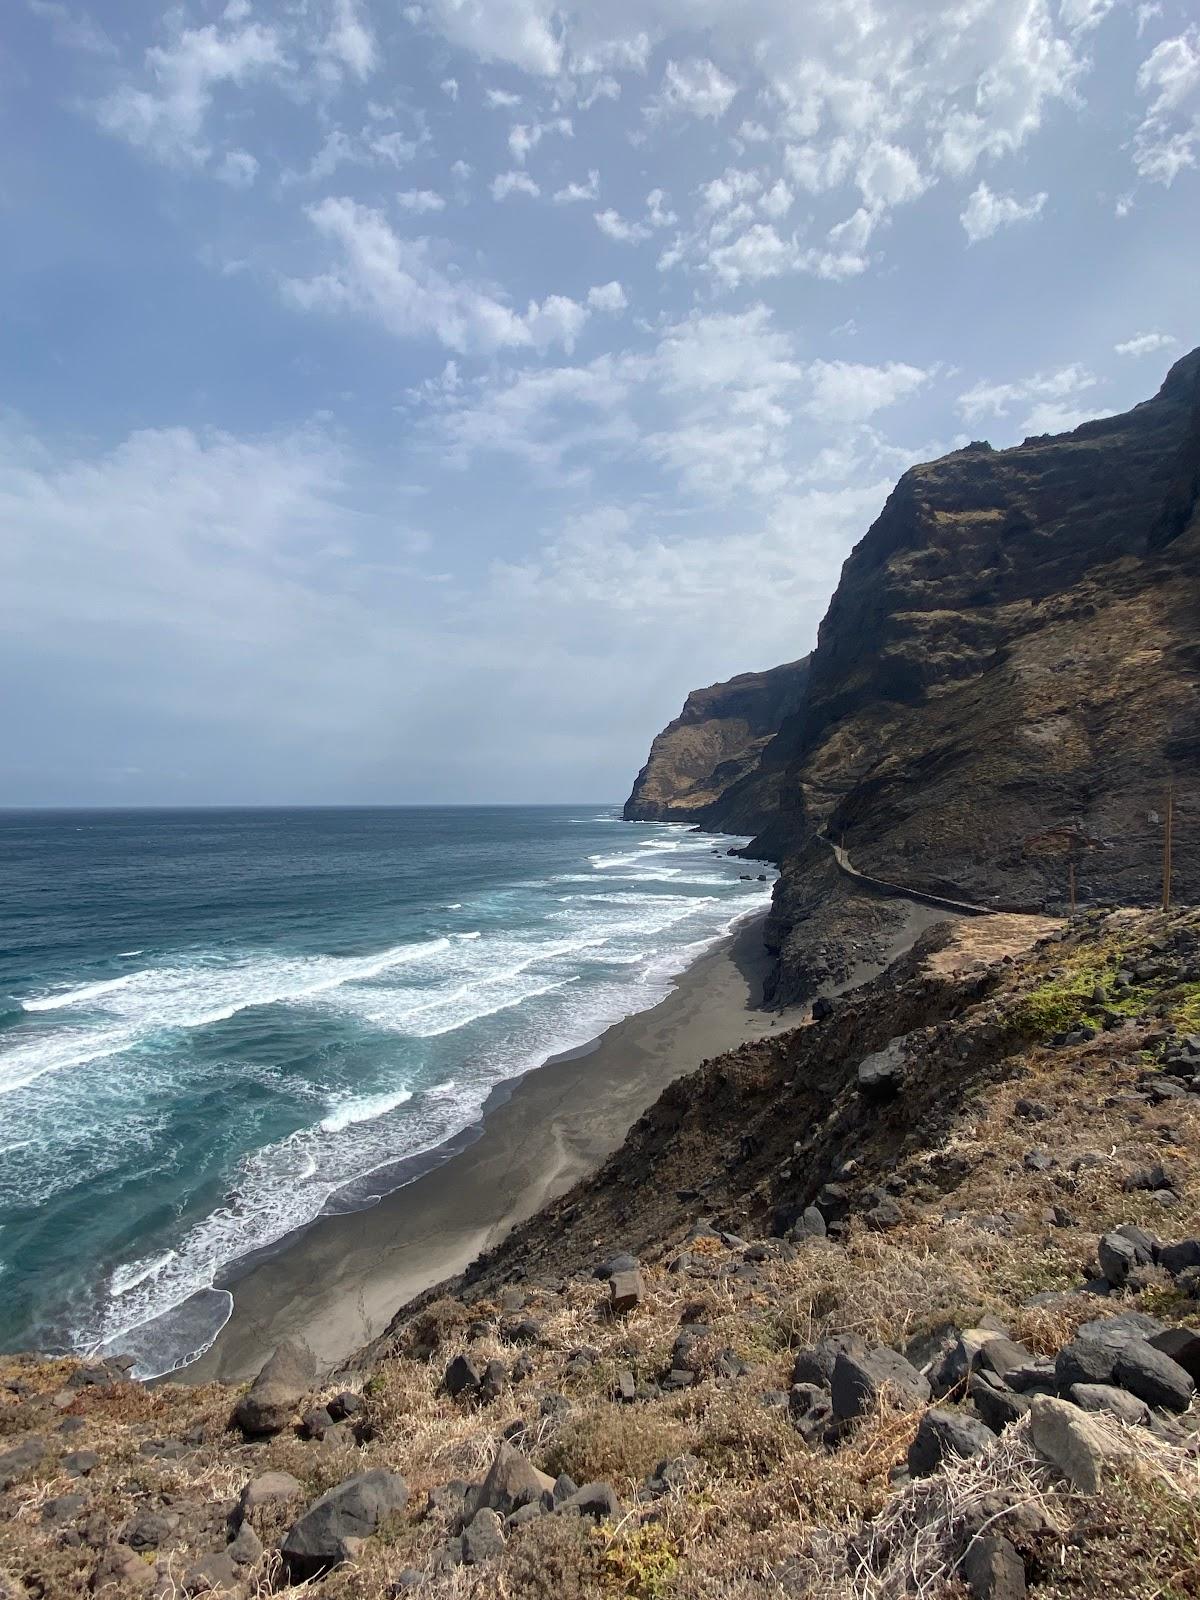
column 764, row 1513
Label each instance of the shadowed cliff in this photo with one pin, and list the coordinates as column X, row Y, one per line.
column 1005, row 685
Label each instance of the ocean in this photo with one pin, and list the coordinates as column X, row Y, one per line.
column 217, row 1025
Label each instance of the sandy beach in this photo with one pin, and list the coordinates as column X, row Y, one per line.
column 339, row 1282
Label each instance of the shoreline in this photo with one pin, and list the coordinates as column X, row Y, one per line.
column 339, row 1281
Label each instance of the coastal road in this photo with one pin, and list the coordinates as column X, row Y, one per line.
column 962, row 908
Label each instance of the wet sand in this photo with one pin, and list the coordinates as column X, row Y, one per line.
column 339, row 1282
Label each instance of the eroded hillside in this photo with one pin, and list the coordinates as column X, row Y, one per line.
column 906, row 1300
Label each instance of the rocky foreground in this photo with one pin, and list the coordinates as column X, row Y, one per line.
column 903, row 1301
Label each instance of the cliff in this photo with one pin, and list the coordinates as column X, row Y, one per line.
column 714, row 744
column 1005, row 685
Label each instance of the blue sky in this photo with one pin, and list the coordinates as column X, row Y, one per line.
column 412, row 402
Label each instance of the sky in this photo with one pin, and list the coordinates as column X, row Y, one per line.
column 411, row 403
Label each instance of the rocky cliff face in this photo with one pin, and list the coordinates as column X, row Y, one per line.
column 714, row 744
column 1006, row 683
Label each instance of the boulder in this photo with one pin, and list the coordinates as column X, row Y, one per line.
column 621, row 1262
column 274, row 1397
column 494, row 1382
column 345, row 1405
column 1077, row 1444
column 1183, row 1347
column 526, row 1331
column 860, row 1378
column 1153, row 1377
column 119, row 1571
column 997, row 1404
column 811, row 1410
column 880, row 1076
column 810, row 1224
column 462, row 1376
column 1145, row 1243
column 151, row 1530
column 245, row 1547
column 266, row 1489
column 992, row 1569
column 22, row 1458
column 482, row 1539
column 1176, row 1258
column 79, row 1463
column 315, row 1424
column 816, row 1364
column 833, row 1202
column 1114, row 1402
column 983, row 1348
column 212, row 1574
column 626, row 1291
column 944, row 1435
column 1092, row 1356
column 1118, row 1257
column 596, row 1500
column 353, row 1510
column 512, row 1480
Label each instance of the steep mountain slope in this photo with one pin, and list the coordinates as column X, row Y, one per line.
column 1006, row 683
column 713, row 744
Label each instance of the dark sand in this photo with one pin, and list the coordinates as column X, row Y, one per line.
column 339, row 1282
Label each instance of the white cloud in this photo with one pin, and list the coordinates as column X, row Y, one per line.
column 757, row 254
column 498, row 99
column 733, row 185
column 420, row 200
column 604, row 88
column 1083, row 15
column 985, row 212
column 778, row 200
column 614, row 226
column 658, row 211
column 1168, row 137
column 237, row 168
column 373, row 147
column 610, row 297
column 1145, row 344
column 507, row 183
column 846, row 391
column 399, row 283
column 350, row 43
column 523, row 138
column 167, row 121
column 888, row 175
column 558, row 320
column 1050, row 396
column 449, row 87
column 579, row 191
column 816, row 168
column 855, row 232
column 523, row 34
column 696, row 87
column 71, row 30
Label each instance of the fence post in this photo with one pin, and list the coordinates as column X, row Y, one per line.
column 1167, row 831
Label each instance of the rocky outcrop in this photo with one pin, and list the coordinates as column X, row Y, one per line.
column 714, row 744
column 1005, row 685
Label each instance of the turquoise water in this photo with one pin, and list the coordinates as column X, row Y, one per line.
column 216, row 1025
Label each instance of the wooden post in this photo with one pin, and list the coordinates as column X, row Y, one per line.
column 1072, row 888
column 1167, row 830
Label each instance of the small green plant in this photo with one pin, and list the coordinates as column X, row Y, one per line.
column 641, row 1565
